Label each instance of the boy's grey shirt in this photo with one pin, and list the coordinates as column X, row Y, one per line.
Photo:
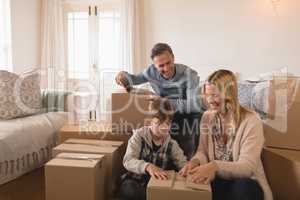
column 131, row 159
column 182, row 90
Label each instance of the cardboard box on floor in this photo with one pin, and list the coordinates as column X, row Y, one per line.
column 129, row 110
column 75, row 176
column 177, row 188
column 283, row 131
column 120, row 152
column 282, row 168
column 93, row 130
column 111, row 150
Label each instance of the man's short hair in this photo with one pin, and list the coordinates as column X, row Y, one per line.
column 160, row 48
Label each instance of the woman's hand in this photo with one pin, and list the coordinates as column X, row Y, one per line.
column 156, row 172
column 204, row 173
column 187, row 168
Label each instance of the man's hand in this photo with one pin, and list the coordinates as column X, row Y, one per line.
column 204, row 173
column 187, row 168
column 122, row 80
column 156, row 172
column 153, row 97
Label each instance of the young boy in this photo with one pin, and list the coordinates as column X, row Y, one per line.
column 150, row 152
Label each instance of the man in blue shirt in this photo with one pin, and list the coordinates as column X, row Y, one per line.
column 180, row 84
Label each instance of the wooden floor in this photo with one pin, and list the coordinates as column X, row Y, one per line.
column 27, row 187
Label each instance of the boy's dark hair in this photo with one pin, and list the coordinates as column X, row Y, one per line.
column 160, row 48
column 161, row 109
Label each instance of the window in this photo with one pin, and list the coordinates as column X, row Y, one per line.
column 93, row 38
column 5, row 36
column 93, row 47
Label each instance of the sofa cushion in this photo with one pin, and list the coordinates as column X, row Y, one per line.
column 20, row 95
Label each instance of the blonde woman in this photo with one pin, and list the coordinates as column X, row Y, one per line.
column 231, row 141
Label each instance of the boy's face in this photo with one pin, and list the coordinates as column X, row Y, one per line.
column 160, row 129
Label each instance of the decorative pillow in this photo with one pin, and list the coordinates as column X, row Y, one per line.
column 19, row 95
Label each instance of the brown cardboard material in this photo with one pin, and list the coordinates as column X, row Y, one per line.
column 283, row 130
column 121, row 148
column 282, row 168
column 93, row 130
column 177, row 188
column 75, row 176
column 110, row 149
column 129, row 111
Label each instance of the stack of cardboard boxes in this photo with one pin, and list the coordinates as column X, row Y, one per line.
column 93, row 152
column 87, row 167
column 96, row 164
column 281, row 157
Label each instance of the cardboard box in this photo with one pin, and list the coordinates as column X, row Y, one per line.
column 93, row 130
column 177, row 188
column 283, row 130
column 129, row 111
column 75, row 176
column 120, row 152
column 111, row 150
column 282, row 168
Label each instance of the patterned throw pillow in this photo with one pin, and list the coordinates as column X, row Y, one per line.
column 19, row 95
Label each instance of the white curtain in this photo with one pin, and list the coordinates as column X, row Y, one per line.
column 130, row 35
column 54, row 68
column 5, row 36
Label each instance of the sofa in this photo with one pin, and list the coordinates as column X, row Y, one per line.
column 26, row 142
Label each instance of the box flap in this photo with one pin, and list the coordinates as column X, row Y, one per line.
column 291, row 155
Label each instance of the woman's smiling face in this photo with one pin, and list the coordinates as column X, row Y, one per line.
column 213, row 97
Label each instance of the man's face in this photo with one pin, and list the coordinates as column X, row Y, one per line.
column 164, row 63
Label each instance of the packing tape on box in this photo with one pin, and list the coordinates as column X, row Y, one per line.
column 188, row 182
column 88, row 144
column 196, row 186
column 77, row 157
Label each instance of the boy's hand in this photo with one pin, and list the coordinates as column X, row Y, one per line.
column 187, row 168
column 156, row 172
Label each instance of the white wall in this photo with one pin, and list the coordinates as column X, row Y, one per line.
column 26, row 37
column 246, row 36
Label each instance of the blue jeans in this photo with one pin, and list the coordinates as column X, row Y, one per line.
column 185, row 129
column 236, row 189
column 132, row 189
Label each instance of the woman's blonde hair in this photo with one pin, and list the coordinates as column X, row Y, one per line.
column 226, row 83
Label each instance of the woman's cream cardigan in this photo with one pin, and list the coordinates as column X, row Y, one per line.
column 247, row 150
